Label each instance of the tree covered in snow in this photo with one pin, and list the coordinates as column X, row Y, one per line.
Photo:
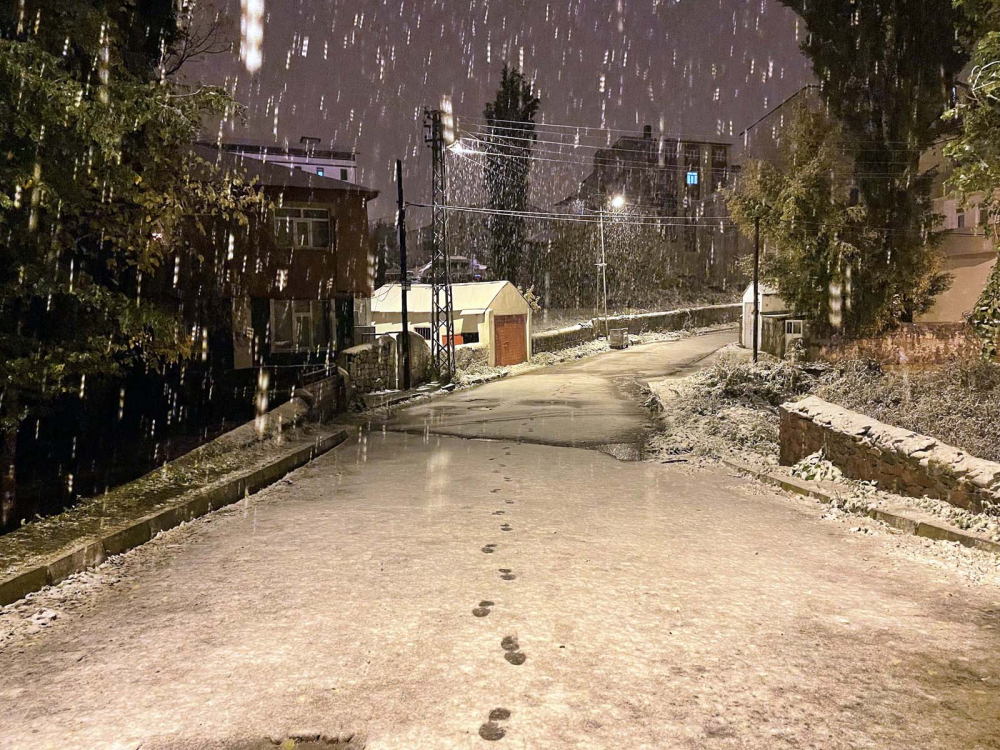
column 510, row 120
column 887, row 71
column 98, row 182
column 818, row 241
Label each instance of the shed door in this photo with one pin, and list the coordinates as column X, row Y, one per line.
column 509, row 339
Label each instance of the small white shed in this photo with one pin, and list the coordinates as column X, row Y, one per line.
column 770, row 303
column 493, row 314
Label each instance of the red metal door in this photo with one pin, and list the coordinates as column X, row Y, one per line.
column 509, row 339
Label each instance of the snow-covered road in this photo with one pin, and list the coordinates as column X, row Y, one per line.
column 588, row 403
column 405, row 588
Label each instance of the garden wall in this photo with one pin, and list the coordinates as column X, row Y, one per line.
column 564, row 338
column 673, row 320
column 374, row 367
column 898, row 460
column 910, row 344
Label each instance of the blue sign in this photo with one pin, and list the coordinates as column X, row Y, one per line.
column 692, row 178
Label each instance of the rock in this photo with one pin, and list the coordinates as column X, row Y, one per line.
column 44, row 616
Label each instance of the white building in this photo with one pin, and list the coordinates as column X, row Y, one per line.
column 307, row 156
column 492, row 314
column 771, row 303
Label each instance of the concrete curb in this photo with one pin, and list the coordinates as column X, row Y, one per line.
column 383, row 400
column 900, row 521
column 92, row 551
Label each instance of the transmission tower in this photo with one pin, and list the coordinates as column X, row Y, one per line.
column 438, row 123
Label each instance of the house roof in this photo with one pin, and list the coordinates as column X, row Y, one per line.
column 272, row 174
column 765, row 290
column 275, row 149
column 472, row 296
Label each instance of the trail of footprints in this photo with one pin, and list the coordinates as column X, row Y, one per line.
column 494, row 728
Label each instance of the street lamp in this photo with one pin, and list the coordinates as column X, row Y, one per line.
column 617, row 202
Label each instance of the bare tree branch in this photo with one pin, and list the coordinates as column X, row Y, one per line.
column 197, row 38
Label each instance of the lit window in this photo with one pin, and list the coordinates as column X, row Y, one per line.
column 692, row 178
column 320, row 172
column 302, row 227
column 299, row 327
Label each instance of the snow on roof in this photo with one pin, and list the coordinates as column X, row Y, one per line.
column 472, row 296
column 764, row 289
column 275, row 174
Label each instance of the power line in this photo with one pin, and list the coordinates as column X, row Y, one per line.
column 660, row 134
column 576, row 218
column 842, row 171
column 481, row 134
column 653, row 220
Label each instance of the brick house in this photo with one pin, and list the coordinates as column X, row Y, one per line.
column 290, row 288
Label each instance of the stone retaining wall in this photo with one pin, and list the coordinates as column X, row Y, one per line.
column 371, row 366
column 674, row 320
column 670, row 320
column 374, row 366
column 909, row 344
column 564, row 338
column 898, row 460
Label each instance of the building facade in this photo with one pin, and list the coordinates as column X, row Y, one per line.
column 967, row 238
column 292, row 286
column 967, row 245
column 667, row 175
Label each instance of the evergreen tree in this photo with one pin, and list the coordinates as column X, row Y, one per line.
column 887, row 72
column 510, row 135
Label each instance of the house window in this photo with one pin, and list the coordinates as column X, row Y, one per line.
column 320, row 171
column 692, row 166
column 343, row 175
column 425, row 332
column 793, row 327
column 960, row 220
column 299, row 326
column 720, row 166
column 302, row 227
column 470, row 338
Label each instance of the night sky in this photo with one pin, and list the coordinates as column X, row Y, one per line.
column 357, row 72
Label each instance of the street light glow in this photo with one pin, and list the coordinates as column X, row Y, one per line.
column 618, row 201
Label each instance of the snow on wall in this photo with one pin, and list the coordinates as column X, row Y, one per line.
column 898, row 460
column 669, row 320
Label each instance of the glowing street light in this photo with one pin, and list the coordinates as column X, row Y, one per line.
column 448, row 121
column 618, row 202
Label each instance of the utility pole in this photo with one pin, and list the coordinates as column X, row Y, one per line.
column 756, row 286
column 442, row 352
column 604, row 275
column 404, row 279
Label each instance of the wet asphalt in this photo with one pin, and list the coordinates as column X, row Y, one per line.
column 597, row 402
